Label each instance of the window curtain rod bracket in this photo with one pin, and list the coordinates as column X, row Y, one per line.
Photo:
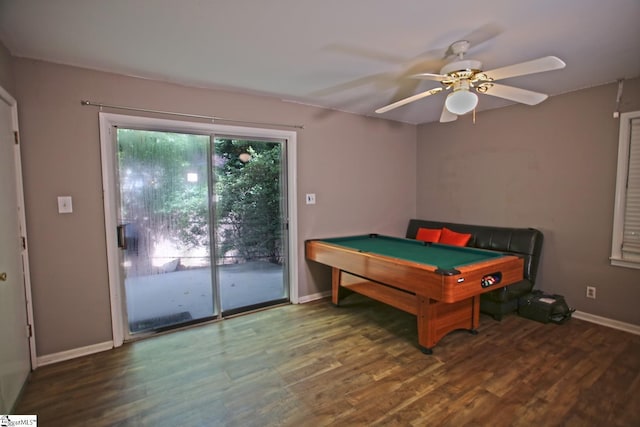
column 213, row 119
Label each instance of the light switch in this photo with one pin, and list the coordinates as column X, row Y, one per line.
column 64, row 204
column 311, row 199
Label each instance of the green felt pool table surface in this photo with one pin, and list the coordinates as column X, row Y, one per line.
column 445, row 257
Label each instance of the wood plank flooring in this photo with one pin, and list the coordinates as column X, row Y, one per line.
column 357, row 365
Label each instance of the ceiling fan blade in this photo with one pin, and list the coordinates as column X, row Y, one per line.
column 447, row 116
column 516, row 94
column 539, row 65
column 384, row 80
column 408, row 100
column 429, row 76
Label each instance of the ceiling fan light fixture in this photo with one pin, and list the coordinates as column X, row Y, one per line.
column 463, row 75
column 461, row 101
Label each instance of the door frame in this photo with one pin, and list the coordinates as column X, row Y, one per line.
column 17, row 159
column 107, row 141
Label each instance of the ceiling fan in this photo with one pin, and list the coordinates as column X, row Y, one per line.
column 463, row 76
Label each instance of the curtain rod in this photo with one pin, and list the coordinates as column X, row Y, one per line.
column 195, row 116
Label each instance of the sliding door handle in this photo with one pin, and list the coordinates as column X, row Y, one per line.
column 122, row 239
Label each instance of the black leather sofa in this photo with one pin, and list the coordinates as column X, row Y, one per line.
column 524, row 242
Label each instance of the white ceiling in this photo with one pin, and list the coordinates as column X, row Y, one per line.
column 349, row 55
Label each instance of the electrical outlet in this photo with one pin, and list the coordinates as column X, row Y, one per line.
column 591, row 292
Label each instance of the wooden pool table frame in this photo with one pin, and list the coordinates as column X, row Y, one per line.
column 442, row 303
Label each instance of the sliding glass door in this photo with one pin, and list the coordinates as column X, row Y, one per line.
column 201, row 226
column 251, row 249
column 164, row 227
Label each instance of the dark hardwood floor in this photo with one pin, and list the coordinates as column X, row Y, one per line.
column 357, row 365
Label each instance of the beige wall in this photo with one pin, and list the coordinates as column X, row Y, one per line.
column 361, row 169
column 6, row 75
column 553, row 167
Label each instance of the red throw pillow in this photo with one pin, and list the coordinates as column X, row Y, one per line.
column 449, row 237
column 428, row 234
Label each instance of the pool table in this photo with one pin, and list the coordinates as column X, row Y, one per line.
column 440, row 284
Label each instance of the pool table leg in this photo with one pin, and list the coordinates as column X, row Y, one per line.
column 475, row 322
column 436, row 319
column 426, row 350
column 335, row 285
column 338, row 288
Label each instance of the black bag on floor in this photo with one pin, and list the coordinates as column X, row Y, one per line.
column 544, row 308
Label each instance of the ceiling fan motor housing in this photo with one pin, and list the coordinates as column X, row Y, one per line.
column 465, row 65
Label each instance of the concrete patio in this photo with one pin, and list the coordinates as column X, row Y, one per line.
column 172, row 295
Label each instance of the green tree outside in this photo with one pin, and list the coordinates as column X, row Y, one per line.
column 165, row 192
column 249, row 206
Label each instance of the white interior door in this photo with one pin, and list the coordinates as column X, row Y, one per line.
column 15, row 358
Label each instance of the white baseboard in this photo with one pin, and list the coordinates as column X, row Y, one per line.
column 314, row 297
column 48, row 359
column 615, row 324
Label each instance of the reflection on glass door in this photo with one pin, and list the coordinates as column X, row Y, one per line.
column 164, row 233
column 251, row 249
